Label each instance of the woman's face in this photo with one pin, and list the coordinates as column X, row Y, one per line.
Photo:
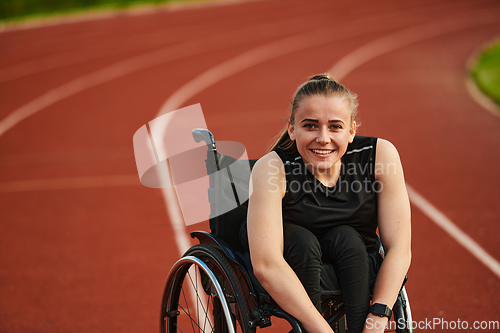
column 322, row 130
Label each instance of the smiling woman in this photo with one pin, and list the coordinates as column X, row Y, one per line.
column 309, row 206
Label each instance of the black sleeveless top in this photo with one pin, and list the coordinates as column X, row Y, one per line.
column 352, row 201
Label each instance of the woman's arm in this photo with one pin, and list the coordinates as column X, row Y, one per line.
column 394, row 228
column 265, row 238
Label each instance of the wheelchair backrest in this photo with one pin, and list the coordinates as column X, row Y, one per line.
column 228, row 193
column 226, row 225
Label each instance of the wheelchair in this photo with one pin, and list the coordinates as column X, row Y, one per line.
column 212, row 287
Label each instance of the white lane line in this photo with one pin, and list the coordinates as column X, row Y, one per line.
column 105, row 75
column 245, row 61
column 142, row 62
column 461, row 237
column 69, row 183
column 175, row 52
column 59, row 60
column 103, row 14
column 129, row 66
column 134, row 64
column 264, row 53
column 398, row 40
column 235, row 65
column 410, row 36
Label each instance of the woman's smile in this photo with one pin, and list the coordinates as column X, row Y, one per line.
column 322, row 152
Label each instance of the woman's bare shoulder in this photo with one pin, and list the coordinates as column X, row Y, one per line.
column 385, row 146
column 268, row 163
column 269, row 172
column 387, row 160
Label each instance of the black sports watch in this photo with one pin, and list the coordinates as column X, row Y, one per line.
column 381, row 310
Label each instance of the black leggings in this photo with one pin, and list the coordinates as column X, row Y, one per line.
column 342, row 246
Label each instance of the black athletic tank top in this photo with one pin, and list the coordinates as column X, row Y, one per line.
column 352, row 201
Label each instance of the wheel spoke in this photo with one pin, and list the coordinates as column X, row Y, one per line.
column 206, row 315
column 196, row 273
column 187, row 306
column 199, row 302
column 179, row 328
column 198, row 299
column 204, row 272
column 193, row 321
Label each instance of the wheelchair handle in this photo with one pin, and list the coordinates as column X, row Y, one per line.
column 200, row 134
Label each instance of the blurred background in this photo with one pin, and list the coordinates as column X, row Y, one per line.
column 85, row 247
column 15, row 10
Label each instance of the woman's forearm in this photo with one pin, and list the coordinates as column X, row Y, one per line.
column 391, row 276
column 281, row 282
column 389, row 281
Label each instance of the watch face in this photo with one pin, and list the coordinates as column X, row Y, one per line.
column 381, row 310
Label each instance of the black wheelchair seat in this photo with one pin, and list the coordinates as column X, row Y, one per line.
column 329, row 283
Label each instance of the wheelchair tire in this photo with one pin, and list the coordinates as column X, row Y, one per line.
column 402, row 313
column 203, row 294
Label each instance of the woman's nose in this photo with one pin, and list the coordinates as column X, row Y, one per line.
column 323, row 136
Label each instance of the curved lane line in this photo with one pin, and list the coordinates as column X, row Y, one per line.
column 110, row 14
column 134, row 64
column 97, row 78
column 401, row 39
column 162, row 56
column 168, row 54
column 60, row 60
column 447, row 225
column 233, row 66
column 296, row 43
column 410, row 36
column 119, row 69
column 57, row 184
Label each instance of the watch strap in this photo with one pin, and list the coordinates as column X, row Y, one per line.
column 381, row 310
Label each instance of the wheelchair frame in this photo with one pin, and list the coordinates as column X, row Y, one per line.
column 216, row 276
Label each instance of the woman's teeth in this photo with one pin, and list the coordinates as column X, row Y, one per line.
column 321, row 152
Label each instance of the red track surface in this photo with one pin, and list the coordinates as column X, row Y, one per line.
column 87, row 251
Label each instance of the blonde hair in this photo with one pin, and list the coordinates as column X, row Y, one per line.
column 322, row 85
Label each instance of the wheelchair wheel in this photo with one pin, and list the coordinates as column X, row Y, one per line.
column 202, row 294
column 402, row 313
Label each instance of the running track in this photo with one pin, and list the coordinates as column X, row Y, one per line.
column 85, row 247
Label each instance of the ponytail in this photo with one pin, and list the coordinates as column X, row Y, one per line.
column 284, row 142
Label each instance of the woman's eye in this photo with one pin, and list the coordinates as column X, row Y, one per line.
column 314, row 126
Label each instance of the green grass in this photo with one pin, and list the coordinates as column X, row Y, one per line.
column 486, row 72
column 21, row 10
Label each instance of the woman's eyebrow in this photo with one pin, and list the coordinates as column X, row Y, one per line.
column 316, row 120
column 308, row 119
